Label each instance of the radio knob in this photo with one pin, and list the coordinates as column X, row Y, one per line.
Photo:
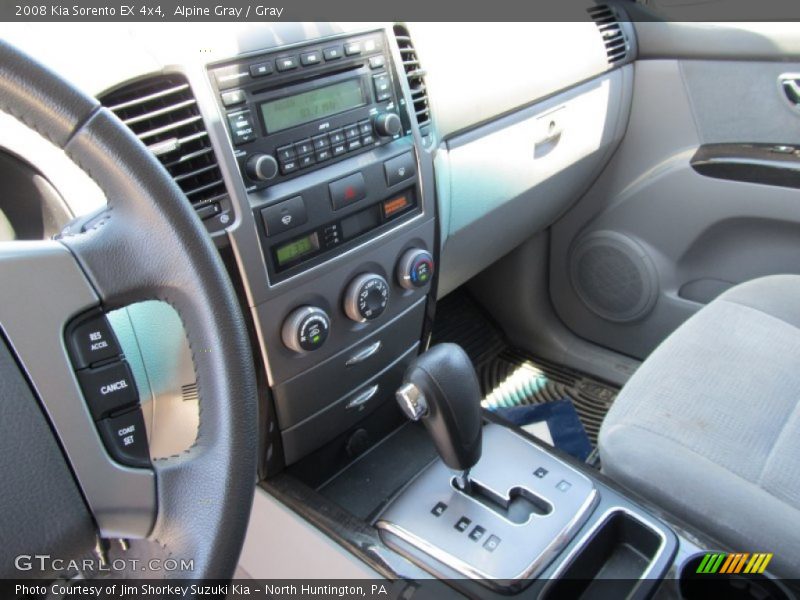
column 306, row 329
column 387, row 124
column 261, row 167
column 366, row 297
column 415, row 269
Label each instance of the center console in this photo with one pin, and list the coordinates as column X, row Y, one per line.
column 337, row 240
column 337, row 246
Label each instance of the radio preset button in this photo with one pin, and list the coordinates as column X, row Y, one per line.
column 286, row 153
column 332, row 53
column 347, row 190
column 289, row 166
column 320, row 142
column 310, row 58
column 241, row 126
column 261, row 69
column 352, row 48
column 286, row 63
column 336, row 137
column 351, row 131
column 233, row 97
column 306, row 161
column 364, row 127
column 284, row 215
column 304, row 147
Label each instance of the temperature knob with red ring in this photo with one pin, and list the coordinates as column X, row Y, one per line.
column 366, row 297
column 415, row 269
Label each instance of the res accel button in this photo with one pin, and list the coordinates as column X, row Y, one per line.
column 92, row 341
column 108, row 389
column 125, row 438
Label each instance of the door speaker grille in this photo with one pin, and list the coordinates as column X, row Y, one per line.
column 613, row 276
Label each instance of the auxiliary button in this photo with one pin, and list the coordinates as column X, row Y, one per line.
column 108, row 389
column 92, row 341
column 284, row 215
column 347, row 190
column 125, row 438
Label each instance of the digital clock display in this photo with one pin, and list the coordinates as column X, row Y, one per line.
column 293, row 250
column 312, row 105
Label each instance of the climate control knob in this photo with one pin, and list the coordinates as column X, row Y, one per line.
column 415, row 268
column 366, row 297
column 261, row 167
column 306, row 329
column 387, row 124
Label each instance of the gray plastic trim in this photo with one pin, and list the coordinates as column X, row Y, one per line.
column 122, row 499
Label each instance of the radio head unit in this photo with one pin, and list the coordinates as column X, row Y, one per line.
column 296, row 109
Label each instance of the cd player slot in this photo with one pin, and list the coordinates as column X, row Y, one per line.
column 306, row 78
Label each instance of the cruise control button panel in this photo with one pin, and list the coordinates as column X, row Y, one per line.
column 108, row 388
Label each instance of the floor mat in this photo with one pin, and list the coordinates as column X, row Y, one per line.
column 510, row 377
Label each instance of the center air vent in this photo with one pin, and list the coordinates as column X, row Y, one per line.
column 613, row 37
column 416, row 78
column 163, row 114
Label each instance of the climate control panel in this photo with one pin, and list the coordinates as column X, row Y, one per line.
column 364, row 299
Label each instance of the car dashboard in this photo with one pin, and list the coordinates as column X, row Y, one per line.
column 350, row 174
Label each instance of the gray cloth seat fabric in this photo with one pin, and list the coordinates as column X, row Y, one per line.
column 709, row 426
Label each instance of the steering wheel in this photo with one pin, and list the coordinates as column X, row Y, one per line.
column 187, row 516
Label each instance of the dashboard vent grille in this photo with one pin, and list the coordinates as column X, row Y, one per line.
column 163, row 114
column 415, row 76
column 613, row 37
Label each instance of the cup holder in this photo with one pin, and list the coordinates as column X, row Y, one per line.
column 741, row 586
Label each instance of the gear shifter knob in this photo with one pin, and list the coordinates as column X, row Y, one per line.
column 441, row 389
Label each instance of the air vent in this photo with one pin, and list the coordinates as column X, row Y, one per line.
column 415, row 76
column 163, row 114
column 613, row 37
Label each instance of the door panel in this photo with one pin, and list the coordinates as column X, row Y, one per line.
column 653, row 240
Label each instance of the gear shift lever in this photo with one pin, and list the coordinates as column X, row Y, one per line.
column 441, row 389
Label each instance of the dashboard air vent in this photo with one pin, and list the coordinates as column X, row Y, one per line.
column 415, row 76
column 163, row 113
column 613, row 37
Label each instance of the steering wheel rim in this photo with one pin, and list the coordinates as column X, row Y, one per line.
column 150, row 245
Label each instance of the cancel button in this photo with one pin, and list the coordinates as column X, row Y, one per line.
column 108, row 389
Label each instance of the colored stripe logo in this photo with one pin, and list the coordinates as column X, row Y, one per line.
column 738, row 562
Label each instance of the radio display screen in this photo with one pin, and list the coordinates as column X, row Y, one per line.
column 293, row 250
column 312, row 105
